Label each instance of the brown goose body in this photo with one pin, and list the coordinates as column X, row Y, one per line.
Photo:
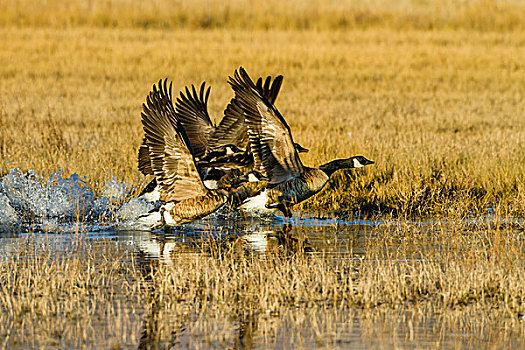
column 172, row 161
column 245, row 191
column 296, row 190
column 191, row 209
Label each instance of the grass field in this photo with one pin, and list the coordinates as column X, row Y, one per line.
column 441, row 112
column 484, row 15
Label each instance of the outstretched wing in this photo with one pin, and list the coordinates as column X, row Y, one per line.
column 170, row 151
column 192, row 111
column 144, row 159
column 232, row 129
column 271, row 140
column 270, row 89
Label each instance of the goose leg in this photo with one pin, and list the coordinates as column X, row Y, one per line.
column 285, row 210
column 162, row 222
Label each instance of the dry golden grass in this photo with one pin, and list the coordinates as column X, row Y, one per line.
column 441, row 112
column 51, row 299
column 442, row 280
column 485, row 15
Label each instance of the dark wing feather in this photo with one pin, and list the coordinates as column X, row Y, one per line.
column 270, row 89
column 144, row 159
column 232, row 129
column 271, row 140
column 172, row 160
column 192, row 111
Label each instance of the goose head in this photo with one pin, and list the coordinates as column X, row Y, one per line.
column 300, row 149
column 347, row 163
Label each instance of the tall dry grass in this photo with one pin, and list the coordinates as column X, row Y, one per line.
column 483, row 15
column 50, row 298
column 432, row 91
column 441, row 112
column 425, row 282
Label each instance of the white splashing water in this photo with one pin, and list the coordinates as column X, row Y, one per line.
column 31, row 198
column 134, row 208
column 35, row 197
column 115, row 191
column 8, row 216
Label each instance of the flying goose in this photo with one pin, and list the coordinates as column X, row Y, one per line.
column 271, row 142
column 192, row 111
column 221, row 146
column 172, row 161
column 224, row 145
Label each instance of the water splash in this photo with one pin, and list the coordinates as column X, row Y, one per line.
column 29, row 198
column 115, row 191
column 8, row 216
column 34, row 197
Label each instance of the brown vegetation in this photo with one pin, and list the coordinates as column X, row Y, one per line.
column 482, row 15
column 467, row 279
column 440, row 112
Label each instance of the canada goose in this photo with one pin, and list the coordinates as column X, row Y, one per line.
column 182, row 191
column 213, row 146
column 192, row 111
column 221, row 144
column 271, row 142
column 224, row 145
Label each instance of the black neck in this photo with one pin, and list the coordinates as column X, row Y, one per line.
column 331, row 167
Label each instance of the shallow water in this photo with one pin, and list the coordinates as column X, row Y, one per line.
column 383, row 327
column 44, row 215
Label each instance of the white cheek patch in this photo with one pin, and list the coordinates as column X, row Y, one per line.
column 252, row 178
column 152, row 196
column 357, row 164
column 210, row 184
column 229, row 150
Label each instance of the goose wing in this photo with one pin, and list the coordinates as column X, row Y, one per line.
column 271, row 140
column 192, row 111
column 270, row 89
column 232, row 129
column 144, row 159
column 170, row 151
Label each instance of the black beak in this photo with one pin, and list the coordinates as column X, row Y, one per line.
column 300, row 148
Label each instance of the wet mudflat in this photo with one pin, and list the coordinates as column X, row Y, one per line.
column 251, row 282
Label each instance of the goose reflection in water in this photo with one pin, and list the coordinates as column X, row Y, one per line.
column 256, row 238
